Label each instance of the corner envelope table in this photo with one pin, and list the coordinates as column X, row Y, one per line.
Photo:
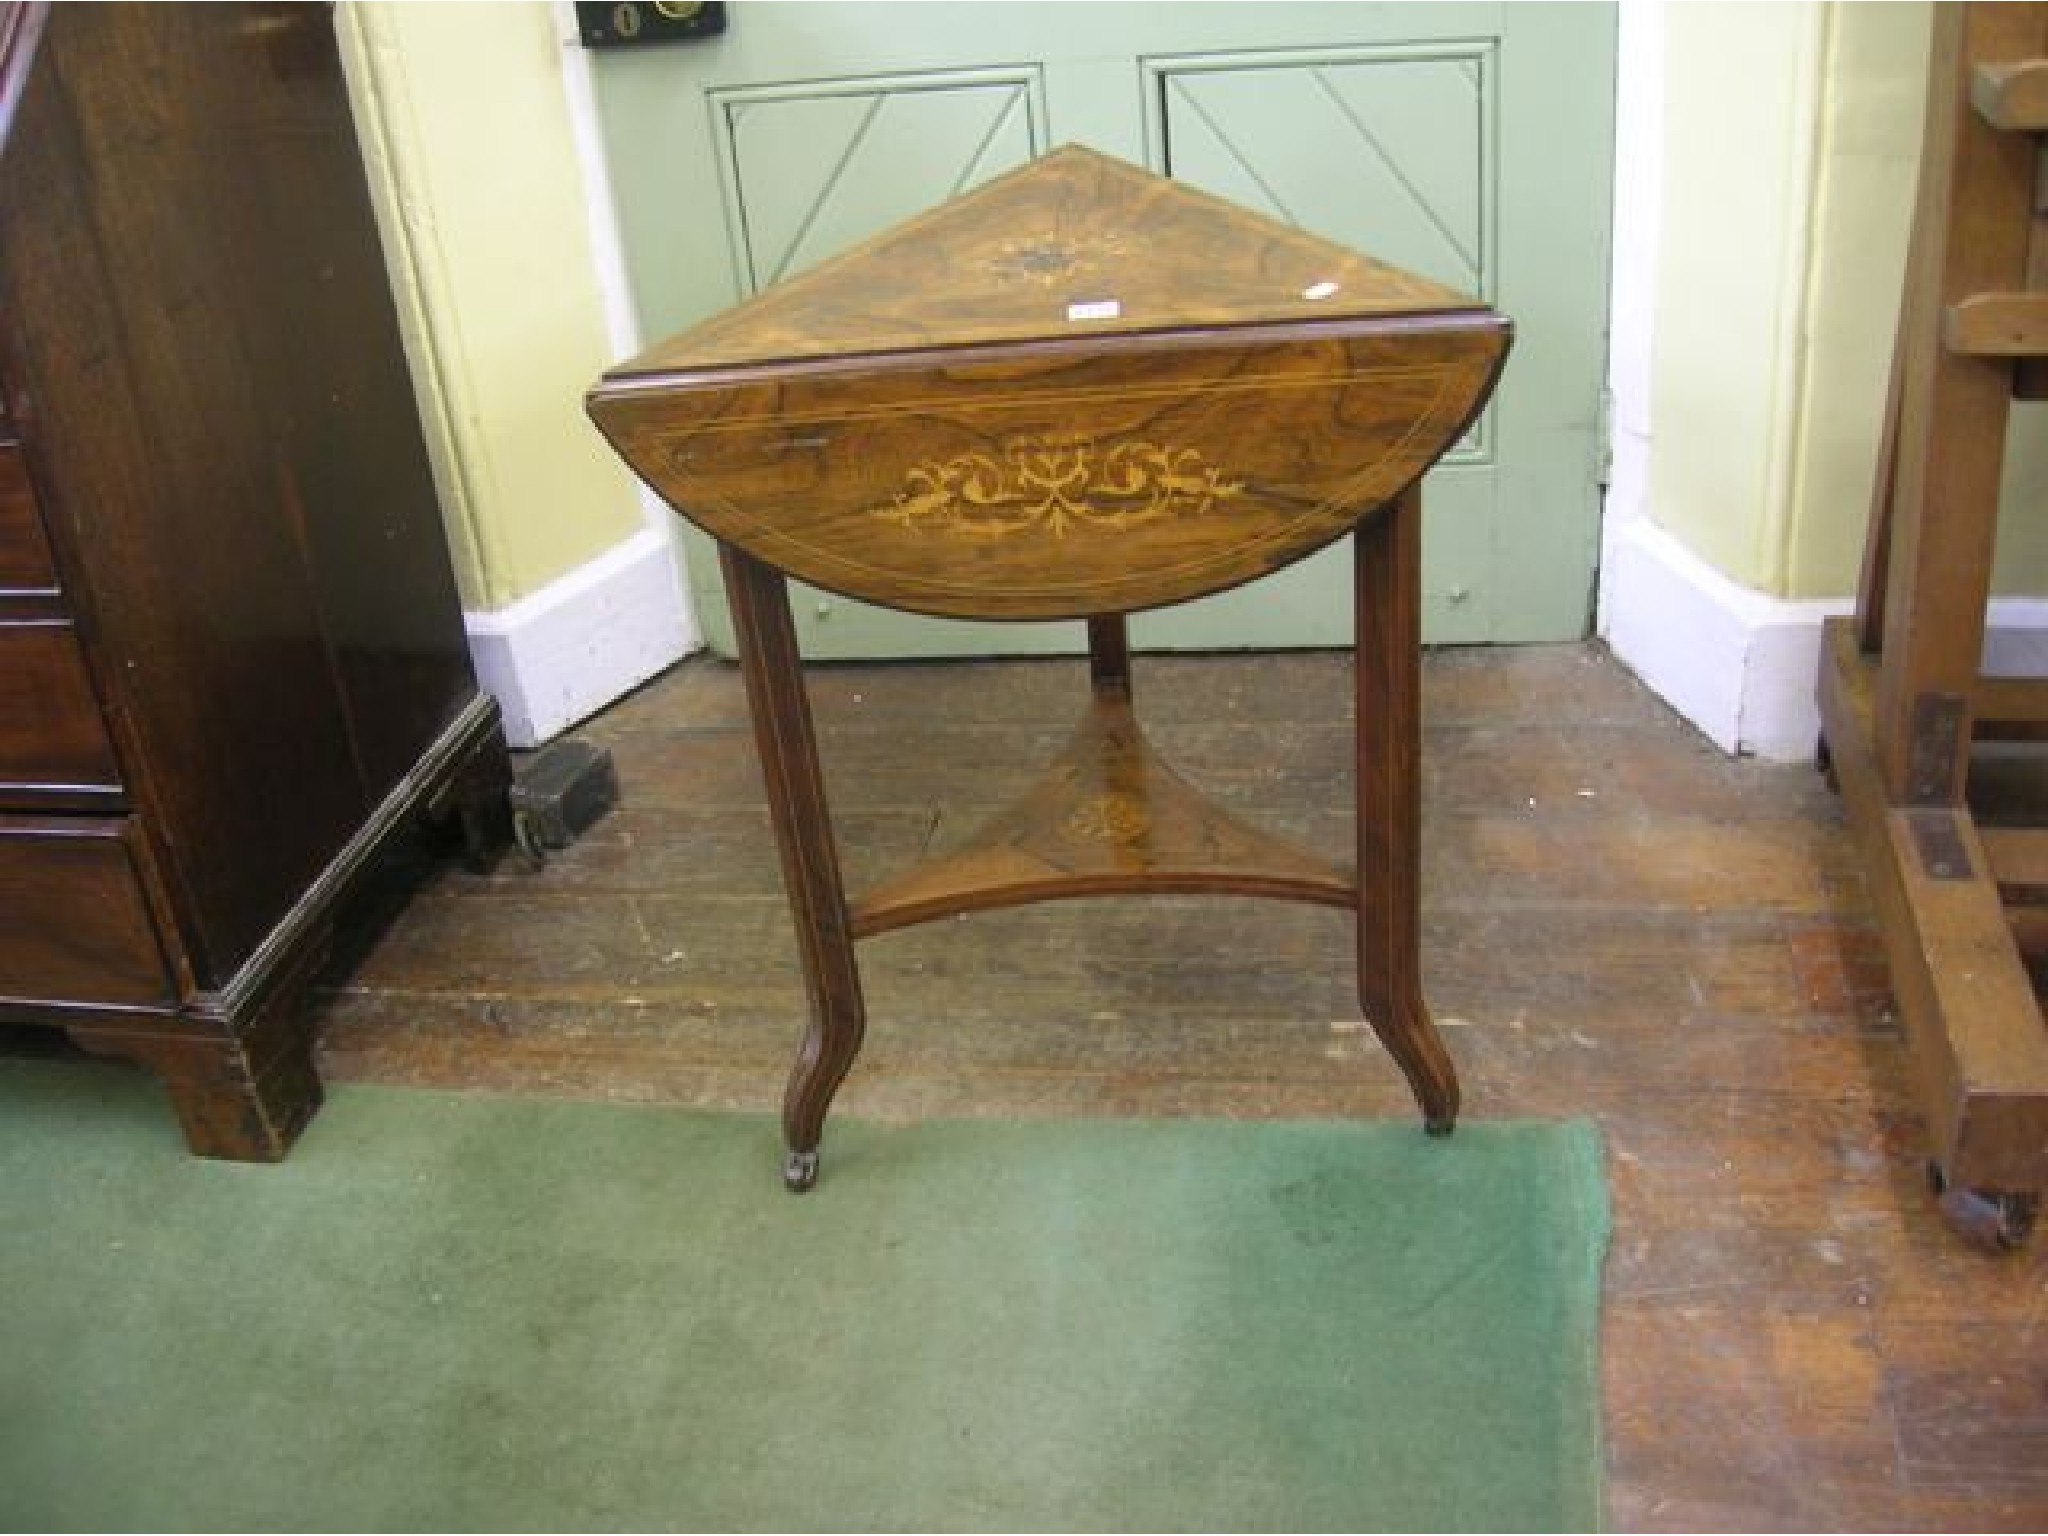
column 1078, row 391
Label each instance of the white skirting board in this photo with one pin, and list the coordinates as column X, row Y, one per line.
column 1739, row 665
column 566, row 651
column 1742, row 666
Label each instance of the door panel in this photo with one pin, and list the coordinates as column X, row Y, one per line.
column 1386, row 150
column 812, row 171
column 1470, row 143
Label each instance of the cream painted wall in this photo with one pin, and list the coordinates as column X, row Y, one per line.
column 1740, row 90
column 1874, row 82
column 1792, row 140
column 484, row 207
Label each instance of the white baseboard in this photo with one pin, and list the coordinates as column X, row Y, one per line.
column 563, row 653
column 2016, row 637
column 1737, row 664
column 1742, row 666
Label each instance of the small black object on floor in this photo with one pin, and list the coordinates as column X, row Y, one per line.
column 559, row 792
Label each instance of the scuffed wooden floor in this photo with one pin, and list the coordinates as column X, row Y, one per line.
column 1619, row 922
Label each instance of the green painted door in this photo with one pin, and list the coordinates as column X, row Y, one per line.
column 1469, row 142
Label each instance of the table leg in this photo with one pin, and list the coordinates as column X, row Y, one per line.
column 1388, row 553
column 1109, row 656
column 772, row 665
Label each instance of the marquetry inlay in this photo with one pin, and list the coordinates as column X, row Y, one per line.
column 1054, row 486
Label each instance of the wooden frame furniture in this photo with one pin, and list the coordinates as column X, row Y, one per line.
column 1901, row 697
column 232, row 661
column 1079, row 391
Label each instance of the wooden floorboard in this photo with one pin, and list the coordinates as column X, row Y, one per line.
column 1619, row 922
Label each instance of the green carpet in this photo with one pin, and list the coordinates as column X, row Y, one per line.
column 452, row 1312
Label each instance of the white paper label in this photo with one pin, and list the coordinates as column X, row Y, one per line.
column 1095, row 309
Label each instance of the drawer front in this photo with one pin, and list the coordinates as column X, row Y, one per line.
column 1061, row 483
column 74, row 927
column 25, row 564
column 52, row 735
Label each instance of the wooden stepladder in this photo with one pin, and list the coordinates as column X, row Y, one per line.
column 1902, row 692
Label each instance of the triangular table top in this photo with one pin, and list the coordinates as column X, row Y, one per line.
column 1078, row 389
column 1073, row 244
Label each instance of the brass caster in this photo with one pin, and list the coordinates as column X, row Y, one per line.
column 799, row 1171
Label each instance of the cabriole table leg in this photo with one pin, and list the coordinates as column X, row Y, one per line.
column 772, row 666
column 1388, row 554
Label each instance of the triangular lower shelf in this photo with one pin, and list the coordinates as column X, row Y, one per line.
column 1109, row 817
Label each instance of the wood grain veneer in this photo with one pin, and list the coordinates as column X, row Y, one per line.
column 230, row 641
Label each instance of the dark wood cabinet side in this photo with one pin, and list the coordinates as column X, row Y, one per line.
column 201, row 358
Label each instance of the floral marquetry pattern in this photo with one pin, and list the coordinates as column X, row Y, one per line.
column 1036, row 485
column 1108, row 818
column 1049, row 261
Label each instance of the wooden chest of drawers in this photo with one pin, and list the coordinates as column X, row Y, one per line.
column 232, row 663
column 75, row 924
